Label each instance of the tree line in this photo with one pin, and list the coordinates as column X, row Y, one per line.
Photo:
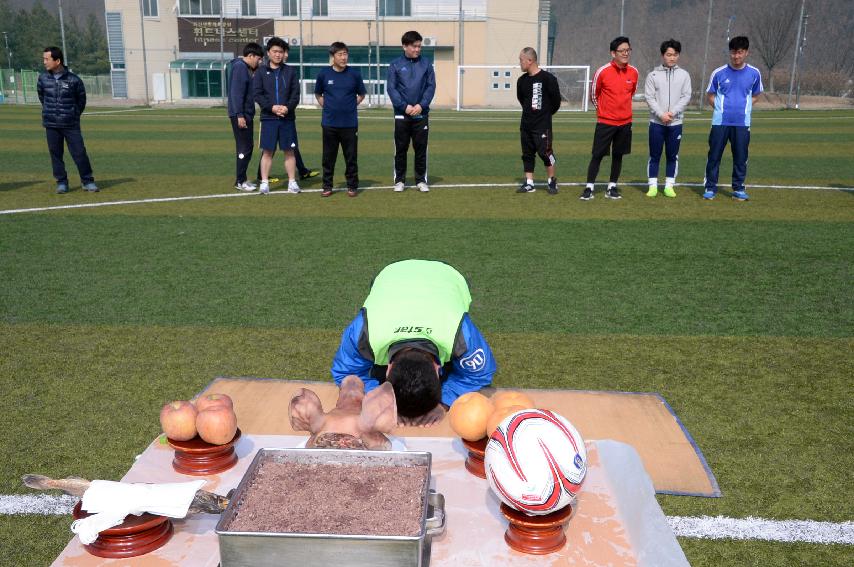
column 584, row 28
column 28, row 32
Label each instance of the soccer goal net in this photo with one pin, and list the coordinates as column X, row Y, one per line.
column 493, row 87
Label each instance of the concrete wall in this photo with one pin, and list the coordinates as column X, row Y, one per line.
column 161, row 45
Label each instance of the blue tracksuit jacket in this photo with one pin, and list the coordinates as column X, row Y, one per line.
column 276, row 86
column 410, row 81
column 240, row 99
column 470, row 369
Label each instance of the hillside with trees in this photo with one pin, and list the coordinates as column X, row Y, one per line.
column 585, row 27
column 29, row 29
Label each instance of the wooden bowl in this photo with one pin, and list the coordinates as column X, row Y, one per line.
column 474, row 460
column 197, row 457
column 136, row 535
column 537, row 535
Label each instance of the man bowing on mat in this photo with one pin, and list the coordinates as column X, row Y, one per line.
column 414, row 331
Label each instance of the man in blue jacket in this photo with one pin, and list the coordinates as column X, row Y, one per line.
column 241, row 110
column 411, row 84
column 414, row 331
column 63, row 99
column 275, row 88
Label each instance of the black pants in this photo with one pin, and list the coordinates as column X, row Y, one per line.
column 405, row 130
column 56, row 140
column 244, row 143
column 536, row 143
column 348, row 139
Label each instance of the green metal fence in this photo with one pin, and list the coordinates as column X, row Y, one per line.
column 19, row 87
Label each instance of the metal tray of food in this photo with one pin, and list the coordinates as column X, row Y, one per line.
column 262, row 549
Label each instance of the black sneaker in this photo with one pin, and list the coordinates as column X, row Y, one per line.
column 308, row 173
column 587, row 194
column 526, row 187
column 613, row 193
column 552, row 187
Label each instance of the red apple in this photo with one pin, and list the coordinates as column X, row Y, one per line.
column 210, row 400
column 178, row 420
column 217, row 425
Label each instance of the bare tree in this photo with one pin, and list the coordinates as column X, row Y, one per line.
column 772, row 32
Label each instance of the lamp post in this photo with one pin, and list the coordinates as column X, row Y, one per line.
column 8, row 53
column 797, row 55
column 12, row 76
column 622, row 13
column 705, row 54
column 803, row 43
column 62, row 33
column 144, row 54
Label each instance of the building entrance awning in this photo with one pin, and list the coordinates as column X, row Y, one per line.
column 199, row 64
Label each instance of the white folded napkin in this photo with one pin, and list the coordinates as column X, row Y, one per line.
column 110, row 502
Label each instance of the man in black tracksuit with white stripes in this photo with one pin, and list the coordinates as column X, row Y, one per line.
column 411, row 84
column 539, row 95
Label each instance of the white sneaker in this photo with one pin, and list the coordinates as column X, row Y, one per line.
column 264, row 188
column 293, row 187
column 399, row 187
column 423, row 187
column 245, row 186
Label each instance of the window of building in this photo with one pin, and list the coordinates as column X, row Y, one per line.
column 289, row 8
column 149, row 8
column 203, row 84
column 199, row 7
column 395, row 7
column 248, row 8
column 319, row 7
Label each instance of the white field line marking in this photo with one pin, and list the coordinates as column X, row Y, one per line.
column 42, row 504
column 580, row 118
column 703, row 527
column 379, row 188
column 720, row 527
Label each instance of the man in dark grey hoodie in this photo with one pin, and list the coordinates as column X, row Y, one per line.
column 241, row 109
column 667, row 92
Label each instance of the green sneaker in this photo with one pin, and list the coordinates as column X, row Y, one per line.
column 653, row 191
column 669, row 192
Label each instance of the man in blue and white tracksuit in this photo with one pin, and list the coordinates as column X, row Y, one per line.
column 411, row 84
column 667, row 91
column 732, row 91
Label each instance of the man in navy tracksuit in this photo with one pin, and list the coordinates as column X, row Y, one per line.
column 63, row 99
column 339, row 90
column 241, row 109
column 275, row 88
column 411, row 84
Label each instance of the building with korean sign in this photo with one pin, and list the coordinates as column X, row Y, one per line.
column 171, row 50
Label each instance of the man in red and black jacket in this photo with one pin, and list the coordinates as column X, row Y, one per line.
column 613, row 87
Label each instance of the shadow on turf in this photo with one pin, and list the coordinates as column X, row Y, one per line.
column 13, row 185
column 110, row 183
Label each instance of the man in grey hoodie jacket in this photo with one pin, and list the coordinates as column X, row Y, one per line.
column 667, row 92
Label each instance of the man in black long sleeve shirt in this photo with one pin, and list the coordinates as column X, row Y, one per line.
column 538, row 93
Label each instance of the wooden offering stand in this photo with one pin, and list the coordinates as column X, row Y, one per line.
column 474, row 460
column 200, row 458
column 136, row 535
column 537, row 535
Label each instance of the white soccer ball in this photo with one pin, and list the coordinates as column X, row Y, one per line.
column 535, row 461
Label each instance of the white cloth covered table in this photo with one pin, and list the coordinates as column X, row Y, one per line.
column 618, row 521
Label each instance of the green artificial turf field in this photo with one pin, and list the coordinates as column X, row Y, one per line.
column 739, row 314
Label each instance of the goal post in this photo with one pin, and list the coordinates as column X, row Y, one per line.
column 493, row 87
